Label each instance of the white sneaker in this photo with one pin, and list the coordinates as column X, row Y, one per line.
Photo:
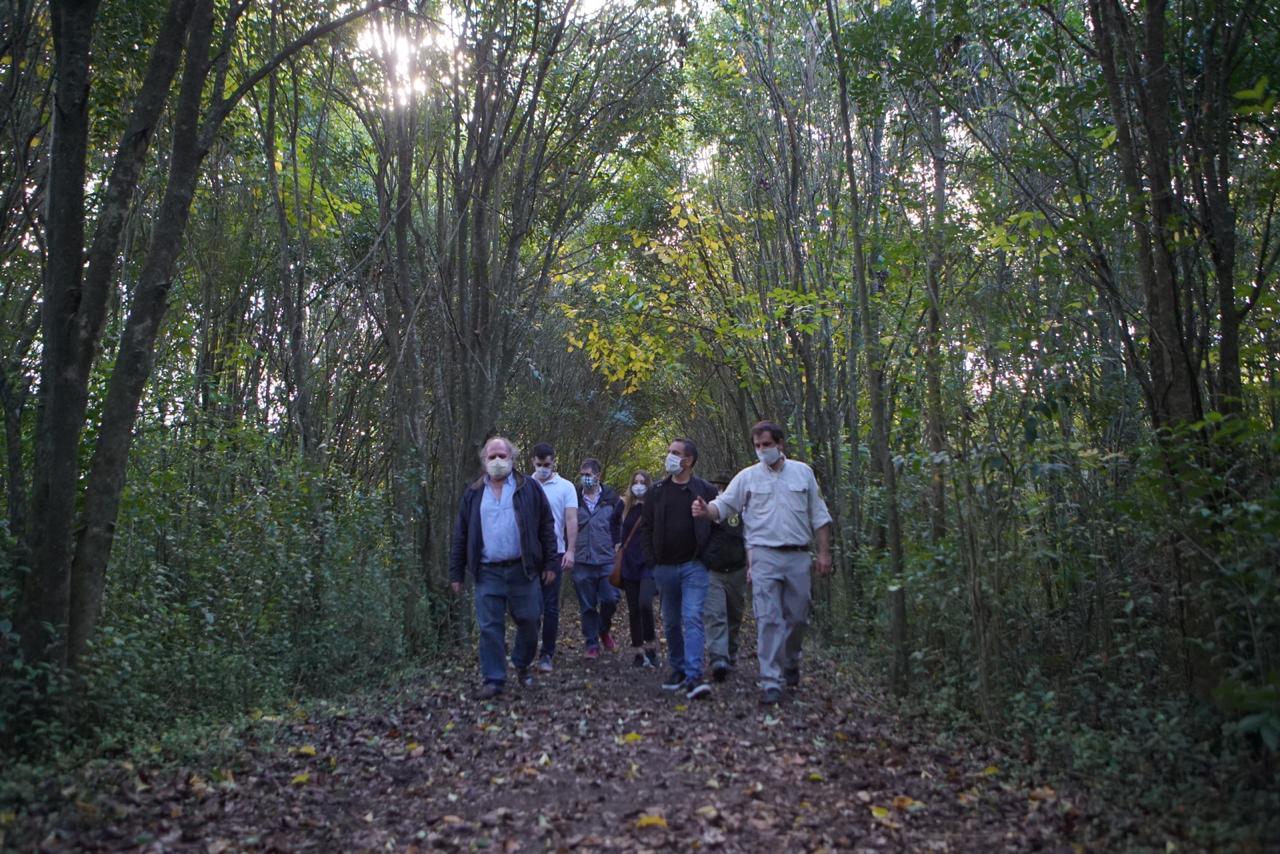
column 697, row 690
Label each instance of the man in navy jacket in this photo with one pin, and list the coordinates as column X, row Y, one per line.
column 504, row 537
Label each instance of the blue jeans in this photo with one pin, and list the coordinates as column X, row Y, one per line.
column 683, row 588
column 597, row 598
column 551, row 612
column 500, row 590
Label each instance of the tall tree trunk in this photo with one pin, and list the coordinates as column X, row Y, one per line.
column 1210, row 155
column 293, row 275
column 13, row 400
column 75, row 300
column 137, row 347
column 881, row 457
column 933, row 321
column 194, row 131
column 46, row 588
column 408, row 409
column 1144, row 154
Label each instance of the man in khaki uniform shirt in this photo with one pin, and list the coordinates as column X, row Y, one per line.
column 782, row 513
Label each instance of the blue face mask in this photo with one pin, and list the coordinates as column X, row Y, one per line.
column 588, row 481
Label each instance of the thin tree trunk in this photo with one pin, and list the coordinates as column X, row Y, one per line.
column 292, row 275
column 898, row 676
column 933, row 328
column 13, row 399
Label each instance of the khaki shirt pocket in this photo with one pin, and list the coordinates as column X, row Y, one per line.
column 796, row 498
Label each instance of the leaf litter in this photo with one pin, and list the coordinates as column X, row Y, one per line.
column 595, row 756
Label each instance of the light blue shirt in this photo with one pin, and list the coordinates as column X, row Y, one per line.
column 498, row 532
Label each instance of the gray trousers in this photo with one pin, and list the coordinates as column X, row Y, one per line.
column 780, row 589
column 722, row 615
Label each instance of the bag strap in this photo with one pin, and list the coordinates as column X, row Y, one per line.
column 634, row 528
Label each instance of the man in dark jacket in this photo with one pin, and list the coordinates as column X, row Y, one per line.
column 599, row 526
column 673, row 541
column 505, row 538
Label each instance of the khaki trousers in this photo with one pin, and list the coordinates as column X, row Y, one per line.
column 722, row 615
column 780, row 592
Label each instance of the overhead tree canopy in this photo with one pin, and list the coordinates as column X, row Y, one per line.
column 272, row 271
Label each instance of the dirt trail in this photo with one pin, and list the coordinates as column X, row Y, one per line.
column 596, row 756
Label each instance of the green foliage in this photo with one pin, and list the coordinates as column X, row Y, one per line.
column 1101, row 597
column 239, row 579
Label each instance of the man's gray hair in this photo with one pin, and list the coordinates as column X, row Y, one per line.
column 511, row 448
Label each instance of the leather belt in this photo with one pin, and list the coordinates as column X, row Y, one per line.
column 788, row 548
column 499, row 564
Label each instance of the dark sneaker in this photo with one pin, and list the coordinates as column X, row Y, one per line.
column 674, row 682
column 639, row 660
column 525, row 678
column 720, row 672
column 697, row 691
column 592, row 652
column 609, row 643
column 770, row 696
column 544, row 664
column 792, row 677
column 489, row 690
column 651, row 657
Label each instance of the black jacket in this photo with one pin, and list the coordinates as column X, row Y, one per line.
column 655, row 500
column 533, row 518
column 726, row 551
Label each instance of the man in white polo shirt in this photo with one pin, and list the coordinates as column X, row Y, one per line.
column 563, row 497
column 782, row 513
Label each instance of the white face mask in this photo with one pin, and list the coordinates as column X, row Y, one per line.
column 638, row 490
column 498, row 468
column 672, row 464
column 769, row 456
column 542, row 472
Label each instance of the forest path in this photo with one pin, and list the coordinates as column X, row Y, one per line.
column 596, row 756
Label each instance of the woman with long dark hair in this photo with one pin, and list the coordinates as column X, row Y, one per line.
column 637, row 575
